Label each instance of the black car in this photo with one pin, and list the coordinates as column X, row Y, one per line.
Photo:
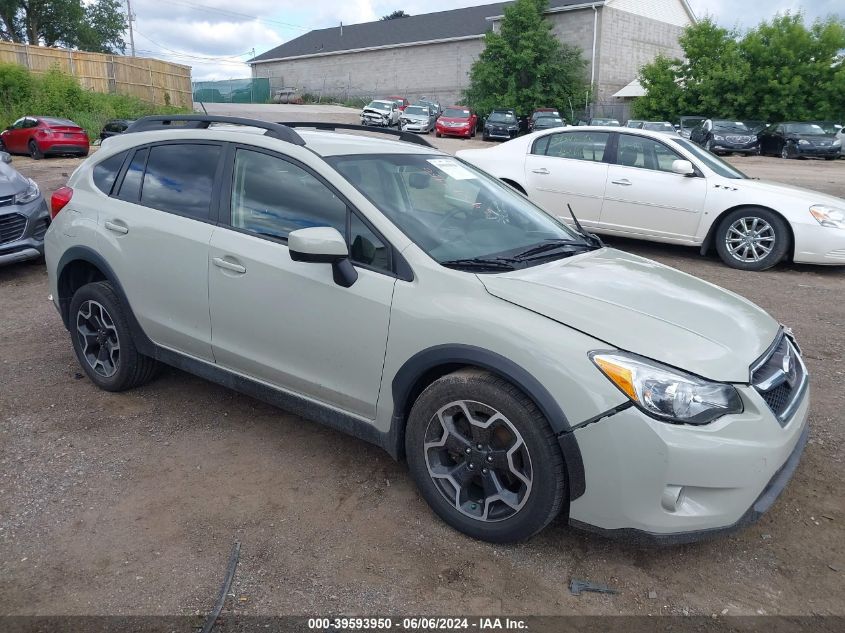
column 797, row 140
column 724, row 136
column 115, row 127
column 755, row 127
column 501, row 124
column 686, row 124
column 547, row 120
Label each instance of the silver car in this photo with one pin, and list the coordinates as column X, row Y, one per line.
column 23, row 215
column 417, row 119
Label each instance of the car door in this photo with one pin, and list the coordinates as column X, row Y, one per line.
column 155, row 232
column 645, row 198
column 288, row 323
column 568, row 168
column 14, row 137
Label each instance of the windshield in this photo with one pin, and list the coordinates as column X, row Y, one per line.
column 449, row 209
column 712, row 161
column 548, row 120
column 502, row 117
column 806, row 129
column 416, row 110
column 730, row 126
column 829, row 127
column 689, row 123
column 659, row 127
column 456, row 113
column 378, row 105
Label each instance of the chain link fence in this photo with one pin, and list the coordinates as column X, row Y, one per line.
column 232, row 91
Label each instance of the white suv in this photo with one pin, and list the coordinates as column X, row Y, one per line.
column 396, row 293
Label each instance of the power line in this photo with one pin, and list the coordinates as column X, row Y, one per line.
column 227, row 12
column 191, row 55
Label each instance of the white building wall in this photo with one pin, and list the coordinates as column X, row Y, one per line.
column 669, row 11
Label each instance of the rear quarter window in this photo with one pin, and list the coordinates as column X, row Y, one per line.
column 105, row 172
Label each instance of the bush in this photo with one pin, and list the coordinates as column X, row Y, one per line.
column 58, row 94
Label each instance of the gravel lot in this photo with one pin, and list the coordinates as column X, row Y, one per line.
column 129, row 503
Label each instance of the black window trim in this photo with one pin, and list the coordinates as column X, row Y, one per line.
column 128, row 154
column 399, row 267
column 213, row 210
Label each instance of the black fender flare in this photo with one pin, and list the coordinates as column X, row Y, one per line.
column 418, row 366
column 83, row 253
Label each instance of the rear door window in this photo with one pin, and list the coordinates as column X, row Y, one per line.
column 180, row 178
column 105, row 172
column 589, row 146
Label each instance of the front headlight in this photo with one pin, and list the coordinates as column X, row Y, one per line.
column 29, row 194
column 718, row 137
column 665, row 393
column 828, row 216
column 803, row 141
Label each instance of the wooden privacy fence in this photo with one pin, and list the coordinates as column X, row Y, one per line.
column 150, row 80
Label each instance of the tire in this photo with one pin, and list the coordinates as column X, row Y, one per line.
column 34, row 151
column 784, row 152
column 484, row 137
column 438, row 134
column 708, row 145
column 473, row 132
column 96, row 309
column 765, row 228
column 532, row 479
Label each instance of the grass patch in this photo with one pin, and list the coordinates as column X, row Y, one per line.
column 58, row 94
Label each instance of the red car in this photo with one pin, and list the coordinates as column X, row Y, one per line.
column 401, row 102
column 456, row 121
column 39, row 136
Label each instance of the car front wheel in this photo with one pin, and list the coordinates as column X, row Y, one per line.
column 784, row 153
column 103, row 342
column 484, row 457
column 752, row 239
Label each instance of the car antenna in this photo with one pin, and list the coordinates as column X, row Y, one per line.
column 591, row 237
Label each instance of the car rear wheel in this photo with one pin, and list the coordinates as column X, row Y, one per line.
column 784, row 152
column 752, row 239
column 34, row 151
column 484, row 457
column 103, row 342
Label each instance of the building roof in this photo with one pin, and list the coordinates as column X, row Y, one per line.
column 470, row 22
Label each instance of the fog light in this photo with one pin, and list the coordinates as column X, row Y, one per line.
column 672, row 498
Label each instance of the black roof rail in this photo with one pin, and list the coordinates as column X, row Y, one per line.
column 202, row 121
column 408, row 137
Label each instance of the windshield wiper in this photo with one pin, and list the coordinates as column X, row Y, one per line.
column 480, row 263
column 549, row 245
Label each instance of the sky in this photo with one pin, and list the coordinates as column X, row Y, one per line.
column 215, row 37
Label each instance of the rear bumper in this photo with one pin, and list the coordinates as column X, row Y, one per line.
column 64, row 148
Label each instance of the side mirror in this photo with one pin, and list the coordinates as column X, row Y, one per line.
column 6, row 157
column 683, row 167
column 323, row 245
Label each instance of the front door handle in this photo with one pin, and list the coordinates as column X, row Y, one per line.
column 227, row 265
column 542, row 170
column 624, row 182
column 117, row 228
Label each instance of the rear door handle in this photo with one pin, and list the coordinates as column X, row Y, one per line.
column 117, row 228
column 227, row 265
column 624, row 182
column 542, row 170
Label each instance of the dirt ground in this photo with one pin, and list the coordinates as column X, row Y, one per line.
column 129, row 503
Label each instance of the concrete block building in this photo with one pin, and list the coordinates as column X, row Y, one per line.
column 431, row 54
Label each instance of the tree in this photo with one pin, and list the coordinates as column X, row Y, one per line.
column 523, row 66
column 779, row 70
column 93, row 26
column 399, row 13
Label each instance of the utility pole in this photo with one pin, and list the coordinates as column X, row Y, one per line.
column 130, row 18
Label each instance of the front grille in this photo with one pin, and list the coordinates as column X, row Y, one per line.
column 41, row 229
column 11, row 227
column 780, row 378
column 739, row 139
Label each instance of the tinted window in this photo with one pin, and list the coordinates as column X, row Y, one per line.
column 273, row 197
column 130, row 188
column 365, row 247
column 105, row 172
column 578, row 145
column 180, row 179
column 636, row 151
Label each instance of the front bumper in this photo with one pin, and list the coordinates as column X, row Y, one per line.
column 455, row 131
column 18, row 246
column 375, row 122
column 502, row 134
column 743, row 148
column 651, row 481
column 819, row 152
column 817, row 244
column 416, row 126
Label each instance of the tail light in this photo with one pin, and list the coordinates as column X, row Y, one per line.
column 59, row 201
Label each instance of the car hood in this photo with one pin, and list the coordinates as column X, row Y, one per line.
column 780, row 191
column 644, row 307
column 415, row 117
column 11, row 182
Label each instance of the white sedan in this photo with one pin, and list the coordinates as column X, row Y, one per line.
column 647, row 185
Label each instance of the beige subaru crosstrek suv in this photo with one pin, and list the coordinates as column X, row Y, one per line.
column 401, row 295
